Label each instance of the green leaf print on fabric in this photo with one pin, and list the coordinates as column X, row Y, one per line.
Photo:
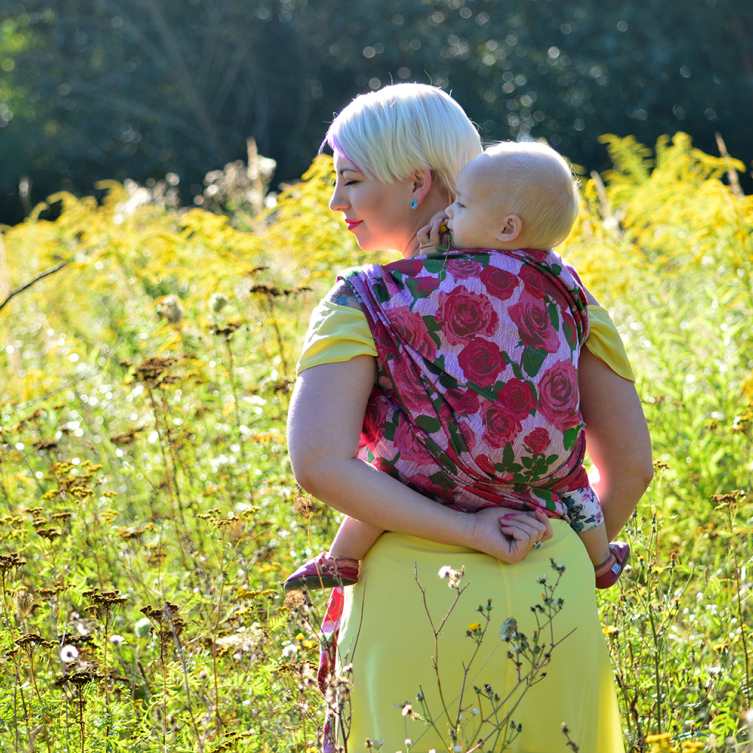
column 457, row 441
column 441, row 479
column 391, row 427
column 554, row 316
column 435, row 266
column 570, row 435
column 428, row 424
column 433, row 329
column 533, row 359
column 447, row 462
column 569, row 334
column 381, row 293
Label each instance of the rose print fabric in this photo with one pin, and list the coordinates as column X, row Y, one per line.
column 476, row 399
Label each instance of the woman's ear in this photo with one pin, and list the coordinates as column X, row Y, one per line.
column 512, row 229
column 422, row 181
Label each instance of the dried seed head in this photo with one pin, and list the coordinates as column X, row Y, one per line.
column 294, row 600
column 303, row 506
column 509, row 627
column 169, row 308
column 24, row 601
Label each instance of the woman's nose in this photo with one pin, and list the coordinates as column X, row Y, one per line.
column 338, row 202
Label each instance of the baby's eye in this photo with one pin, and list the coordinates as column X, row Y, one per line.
column 350, row 183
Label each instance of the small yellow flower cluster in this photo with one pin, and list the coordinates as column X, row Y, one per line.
column 662, row 744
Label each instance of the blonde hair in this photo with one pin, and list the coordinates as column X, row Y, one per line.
column 538, row 185
column 390, row 133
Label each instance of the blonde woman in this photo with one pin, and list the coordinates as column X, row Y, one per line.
column 397, row 154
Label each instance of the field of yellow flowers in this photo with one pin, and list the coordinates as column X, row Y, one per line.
column 148, row 510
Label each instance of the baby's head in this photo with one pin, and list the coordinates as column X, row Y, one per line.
column 514, row 195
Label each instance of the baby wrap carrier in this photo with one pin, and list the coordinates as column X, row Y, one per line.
column 476, row 400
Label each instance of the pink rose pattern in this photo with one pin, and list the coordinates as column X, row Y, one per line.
column 477, row 399
column 466, row 315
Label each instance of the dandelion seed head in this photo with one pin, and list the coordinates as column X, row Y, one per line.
column 68, row 654
column 454, row 576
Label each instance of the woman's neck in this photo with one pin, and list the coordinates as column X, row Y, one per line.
column 434, row 202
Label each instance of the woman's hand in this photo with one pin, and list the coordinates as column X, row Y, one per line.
column 430, row 236
column 509, row 535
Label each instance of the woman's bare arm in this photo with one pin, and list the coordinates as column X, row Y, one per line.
column 324, row 425
column 617, row 439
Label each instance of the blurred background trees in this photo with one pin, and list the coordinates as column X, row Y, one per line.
column 95, row 89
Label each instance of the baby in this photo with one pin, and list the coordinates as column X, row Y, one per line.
column 513, row 196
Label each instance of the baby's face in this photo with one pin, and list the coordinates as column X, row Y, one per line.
column 477, row 214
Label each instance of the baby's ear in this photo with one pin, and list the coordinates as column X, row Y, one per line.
column 512, row 228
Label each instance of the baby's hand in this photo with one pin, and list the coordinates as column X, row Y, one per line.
column 434, row 236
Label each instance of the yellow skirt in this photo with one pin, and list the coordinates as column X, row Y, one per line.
column 387, row 636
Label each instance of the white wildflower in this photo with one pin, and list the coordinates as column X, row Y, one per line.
column 290, row 651
column 217, row 302
column 242, row 642
column 143, row 627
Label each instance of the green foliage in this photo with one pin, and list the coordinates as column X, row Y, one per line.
column 152, row 88
column 146, row 499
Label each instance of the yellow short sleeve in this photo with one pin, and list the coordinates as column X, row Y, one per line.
column 336, row 333
column 605, row 343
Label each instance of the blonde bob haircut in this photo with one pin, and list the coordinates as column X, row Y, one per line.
column 390, row 133
column 537, row 183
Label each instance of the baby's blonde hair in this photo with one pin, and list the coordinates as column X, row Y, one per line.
column 390, row 133
column 538, row 185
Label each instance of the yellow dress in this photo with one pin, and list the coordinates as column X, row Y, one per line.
column 387, row 636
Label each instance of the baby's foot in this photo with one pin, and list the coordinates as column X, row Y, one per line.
column 608, row 573
column 324, row 571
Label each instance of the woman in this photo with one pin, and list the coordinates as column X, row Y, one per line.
column 397, row 153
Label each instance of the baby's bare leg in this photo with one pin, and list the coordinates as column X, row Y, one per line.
column 596, row 543
column 354, row 539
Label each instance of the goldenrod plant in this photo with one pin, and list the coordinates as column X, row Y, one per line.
column 148, row 511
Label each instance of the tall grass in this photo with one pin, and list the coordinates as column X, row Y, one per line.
column 148, row 511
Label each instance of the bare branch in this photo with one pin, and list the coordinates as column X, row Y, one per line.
column 31, row 282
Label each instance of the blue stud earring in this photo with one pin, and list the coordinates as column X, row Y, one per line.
column 414, row 204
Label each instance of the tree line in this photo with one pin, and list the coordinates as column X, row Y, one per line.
column 95, row 89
